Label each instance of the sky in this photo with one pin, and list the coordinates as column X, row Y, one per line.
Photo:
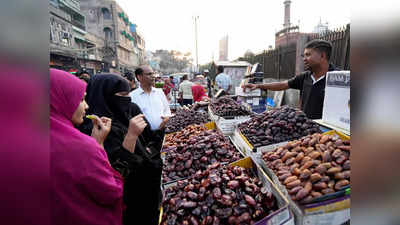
column 250, row 25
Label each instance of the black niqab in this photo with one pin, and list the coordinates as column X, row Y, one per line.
column 141, row 170
column 101, row 98
column 102, row 101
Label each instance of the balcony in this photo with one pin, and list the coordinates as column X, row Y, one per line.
column 89, row 55
column 59, row 13
column 72, row 8
column 72, row 4
column 79, row 24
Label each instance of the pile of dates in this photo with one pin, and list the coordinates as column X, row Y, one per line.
column 311, row 167
column 227, row 107
column 218, row 195
column 200, row 106
column 181, row 137
column 277, row 125
column 184, row 118
column 197, row 153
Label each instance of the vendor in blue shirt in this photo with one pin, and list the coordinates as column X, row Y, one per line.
column 311, row 83
column 223, row 80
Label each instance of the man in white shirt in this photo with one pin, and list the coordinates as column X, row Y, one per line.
column 152, row 101
column 185, row 91
column 222, row 80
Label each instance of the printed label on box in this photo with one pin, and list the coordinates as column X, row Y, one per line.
column 336, row 109
column 338, row 217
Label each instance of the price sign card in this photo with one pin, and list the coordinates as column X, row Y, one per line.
column 336, row 109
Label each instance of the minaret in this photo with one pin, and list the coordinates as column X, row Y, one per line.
column 286, row 22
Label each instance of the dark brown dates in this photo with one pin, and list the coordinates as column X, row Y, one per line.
column 199, row 151
column 227, row 107
column 276, row 126
column 184, row 118
column 197, row 201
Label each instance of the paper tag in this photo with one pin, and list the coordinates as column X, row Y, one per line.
column 239, row 91
column 256, row 101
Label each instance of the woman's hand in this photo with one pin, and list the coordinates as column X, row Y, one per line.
column 101, row 128
column 136, row 127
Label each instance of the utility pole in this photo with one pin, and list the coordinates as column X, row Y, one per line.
column 195, row 33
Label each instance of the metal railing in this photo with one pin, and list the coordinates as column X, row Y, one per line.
column 280, row 63
column 340, row 39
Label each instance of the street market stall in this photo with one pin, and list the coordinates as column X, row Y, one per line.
column 296, row 172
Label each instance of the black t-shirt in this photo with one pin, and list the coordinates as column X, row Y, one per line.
column 312, row 96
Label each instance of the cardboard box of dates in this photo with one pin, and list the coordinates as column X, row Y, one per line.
column 314, row 173
column 227, row 113
column 272, row 128
column 238, row 193
column 170, row 140
column 184, row 118
column 192, row 149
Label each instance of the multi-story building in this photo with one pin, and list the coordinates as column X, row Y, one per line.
column 67, row 34
column 106, row 20
column 94, row 57
column 141, row 46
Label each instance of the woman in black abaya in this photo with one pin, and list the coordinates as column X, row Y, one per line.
column 107, row 95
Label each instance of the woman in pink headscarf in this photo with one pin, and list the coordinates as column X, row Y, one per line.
column 85, row 188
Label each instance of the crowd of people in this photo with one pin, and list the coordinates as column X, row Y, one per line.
column 188, row 91
column 106, row 136
column 108, row 163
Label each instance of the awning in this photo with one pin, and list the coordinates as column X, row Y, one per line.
column 79, row 37
column 79, row 30
column 62, row 53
